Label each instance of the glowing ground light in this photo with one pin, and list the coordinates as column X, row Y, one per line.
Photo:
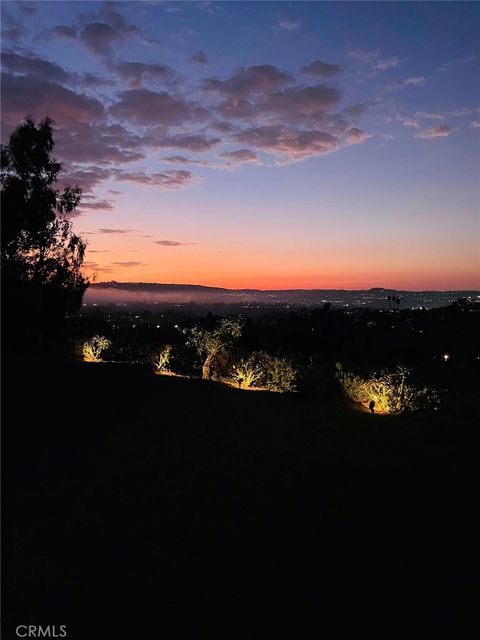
column 445, row 357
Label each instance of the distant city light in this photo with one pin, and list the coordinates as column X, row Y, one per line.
column 446, row 357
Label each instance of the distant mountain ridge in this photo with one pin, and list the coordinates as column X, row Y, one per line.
column 160, row 287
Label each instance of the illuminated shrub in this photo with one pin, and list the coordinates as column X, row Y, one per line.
column 261, row 370
column 279, row 373
column 93, row 348
column 210, row 345
column 391, row 392
column 162, row 360
column 247, row 372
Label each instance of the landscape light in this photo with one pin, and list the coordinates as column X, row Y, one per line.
column 446, row 357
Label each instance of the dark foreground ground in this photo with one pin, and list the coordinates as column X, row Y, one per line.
column 141, row 506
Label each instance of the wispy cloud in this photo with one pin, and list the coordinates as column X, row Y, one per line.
column 94, row 266
column 459, row 113
column 186, row 160
column 128, row 263
column 440, row 131
column 116, row 231
column 240, row 156
column 289, row 24
column 414, row 81
column 446, row 66
column 441, row 115
column 387, row 63
column 429, row 115
column 165, row 181
column 363, row 55
column 97, row 205
column 369, row 64
column 172, row 243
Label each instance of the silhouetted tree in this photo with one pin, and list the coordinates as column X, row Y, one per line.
column 41, row 256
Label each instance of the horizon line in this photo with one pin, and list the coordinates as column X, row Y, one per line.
column 189, row 284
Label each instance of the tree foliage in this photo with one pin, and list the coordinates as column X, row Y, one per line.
column 41, row 256
column 278, row 373
column 263, row 370
column 391, row 391
column 247, row 372
column 209, row 344
column 94, row 347
column 162, row 359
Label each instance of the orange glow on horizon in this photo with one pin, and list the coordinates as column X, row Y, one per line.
column 282, row 263
column 413, row 282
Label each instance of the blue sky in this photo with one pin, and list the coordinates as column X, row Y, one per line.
column 292, row 144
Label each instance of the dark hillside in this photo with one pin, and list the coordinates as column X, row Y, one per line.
column 140, row 505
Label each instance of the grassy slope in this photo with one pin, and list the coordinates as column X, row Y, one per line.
column 132, row 496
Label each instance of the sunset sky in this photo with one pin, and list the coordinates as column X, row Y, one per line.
column 260, row 144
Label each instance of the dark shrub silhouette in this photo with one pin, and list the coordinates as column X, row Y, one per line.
column 41, row 256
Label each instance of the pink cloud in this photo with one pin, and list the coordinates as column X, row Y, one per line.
column 87, row 178
column 291, row 143
column 27, row 94
column 240, row 156
column 354, row 135
column 250, row 80
column 145, row 107
column 172, row 243
column 185, row 160
column 108, row 144
column 300, row 103
column 440, row 131
column 165, row 181
column 192, row 142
